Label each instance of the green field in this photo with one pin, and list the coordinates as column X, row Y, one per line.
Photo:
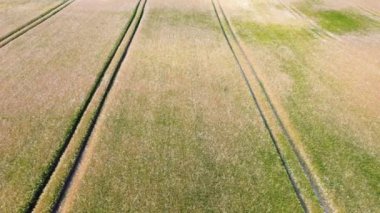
column 189, row 106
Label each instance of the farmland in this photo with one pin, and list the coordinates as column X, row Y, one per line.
column 177, row 106
column 15, row 13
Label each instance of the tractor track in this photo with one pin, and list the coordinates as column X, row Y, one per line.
column 318, row 30
column 322, row 33
column 76, row 125
column 370, row 12
column 305, row 168
column 137, row 17
column 266, row 124
column 9, row 37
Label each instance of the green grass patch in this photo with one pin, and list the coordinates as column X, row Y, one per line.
column 350, row 174
column 341, row 22
column 254, row 32
column 338, row 21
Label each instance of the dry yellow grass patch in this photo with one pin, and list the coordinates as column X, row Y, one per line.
column 351, row 67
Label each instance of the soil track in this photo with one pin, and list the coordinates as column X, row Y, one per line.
column 307, row 171
column 71, row 180
column 6, row 39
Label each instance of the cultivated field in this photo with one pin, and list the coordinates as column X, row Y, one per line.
column 179, row 131
column 182, row 106
column 46, row 76
column 322, row 66
column 16, row 13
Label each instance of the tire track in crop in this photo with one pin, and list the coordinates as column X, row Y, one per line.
column 271, row 134
column 316, row 29
column 323, row 33
column 82, row 159
column 9, row 37
column 375, row 15
column 317, row 189
column 84, row 122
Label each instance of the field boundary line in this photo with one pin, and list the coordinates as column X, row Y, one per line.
column 14, row 34
column 317, row 189
column 75, row 128
column 71, row 178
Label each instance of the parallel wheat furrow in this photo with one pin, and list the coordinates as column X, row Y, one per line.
column 66, row 157
column 317, row 29
column 273, row 122
column 59, row 188
column 6, row 39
